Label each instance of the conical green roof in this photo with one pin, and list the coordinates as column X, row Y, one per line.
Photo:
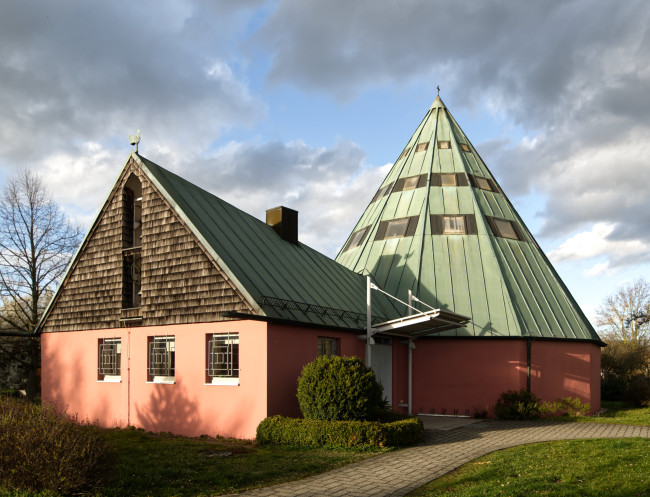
column 441, row 226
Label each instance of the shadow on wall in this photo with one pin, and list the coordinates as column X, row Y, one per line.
column 65, row 384
column 567, row 373
column 169, row 408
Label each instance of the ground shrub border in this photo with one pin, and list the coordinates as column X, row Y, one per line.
column 42, row 450
column 279, row 430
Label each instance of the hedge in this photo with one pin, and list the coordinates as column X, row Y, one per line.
column 278, row 430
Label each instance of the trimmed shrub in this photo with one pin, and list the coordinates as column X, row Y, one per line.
column 339, row 388
column 278, row 430
column 518, row 405
column 42, row 450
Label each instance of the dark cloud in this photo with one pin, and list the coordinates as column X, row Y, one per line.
column 329, row 187
column 76, row 71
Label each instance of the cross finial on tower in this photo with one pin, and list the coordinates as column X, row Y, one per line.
column 438, row 88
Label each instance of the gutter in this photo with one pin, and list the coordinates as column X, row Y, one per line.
column 19, row 334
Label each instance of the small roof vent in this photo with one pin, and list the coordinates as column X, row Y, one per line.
column 284, row 221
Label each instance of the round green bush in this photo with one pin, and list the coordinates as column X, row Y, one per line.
column 339, row 388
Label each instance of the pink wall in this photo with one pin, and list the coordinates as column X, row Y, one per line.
column 189, row 406
column 69, row 378
column 290, row 348
column 451, row 374
column 566, row 369
column 468, row 375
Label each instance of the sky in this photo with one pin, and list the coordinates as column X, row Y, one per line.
column 307, row 103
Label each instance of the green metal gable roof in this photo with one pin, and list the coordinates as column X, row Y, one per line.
column 508, row 287
column 282, row 280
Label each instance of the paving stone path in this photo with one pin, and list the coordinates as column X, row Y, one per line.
column 397, row 473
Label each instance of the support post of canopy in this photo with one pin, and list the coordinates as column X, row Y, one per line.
column 410, row 347
column 368, row 320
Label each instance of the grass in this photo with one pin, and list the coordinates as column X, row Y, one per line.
column 166, row 465
column 617, row 413
column 621, row 413
column 614, row 467
column 150, row 464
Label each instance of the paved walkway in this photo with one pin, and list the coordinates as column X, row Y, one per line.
column 442, row 450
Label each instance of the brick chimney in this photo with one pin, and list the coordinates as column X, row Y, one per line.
column 284, row 221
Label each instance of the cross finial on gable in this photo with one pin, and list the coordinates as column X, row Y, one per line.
column 134, row 140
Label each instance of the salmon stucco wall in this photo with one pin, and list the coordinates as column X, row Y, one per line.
column 466, row 376
column 188, row 406
column 566, row 369
column 290, row 348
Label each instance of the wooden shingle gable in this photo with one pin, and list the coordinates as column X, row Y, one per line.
column 180, row 281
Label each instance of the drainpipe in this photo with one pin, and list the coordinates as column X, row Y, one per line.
column 528, row 354
column 128, row 377
column 410, row 347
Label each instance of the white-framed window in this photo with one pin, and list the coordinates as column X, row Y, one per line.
column 328, row 346
column 222, row 366
column 422, row 147
column 109, row 360
column 162, row 359
column 444, row 144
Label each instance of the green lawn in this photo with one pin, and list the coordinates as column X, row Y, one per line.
column 577, row 467
column 166, row 465
column 618, row 467
column 620, row 413
column 150, row 464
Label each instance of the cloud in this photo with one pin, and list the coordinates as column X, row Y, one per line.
column 573, row 78
column 329, row 186
column 600, row 242
column 76, row 72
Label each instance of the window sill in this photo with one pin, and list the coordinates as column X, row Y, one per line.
column 225, row 381
column 163, row 381
column 115, row 379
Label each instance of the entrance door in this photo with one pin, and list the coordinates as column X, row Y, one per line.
column 381, row 361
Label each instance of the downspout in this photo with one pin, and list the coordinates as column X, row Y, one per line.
column 128, row 377
column 529, row 343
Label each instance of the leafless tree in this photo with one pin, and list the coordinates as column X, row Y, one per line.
column 36, row 243
column 625, row 315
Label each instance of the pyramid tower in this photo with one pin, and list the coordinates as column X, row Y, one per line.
column 441, row 226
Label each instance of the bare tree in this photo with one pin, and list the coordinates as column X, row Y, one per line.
column 625, row 315
column 36, row 243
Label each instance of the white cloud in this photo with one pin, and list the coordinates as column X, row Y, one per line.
column 329, row 186
column 598, row 242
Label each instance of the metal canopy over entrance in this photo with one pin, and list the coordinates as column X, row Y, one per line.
column 422, row 324
column 410, row 327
